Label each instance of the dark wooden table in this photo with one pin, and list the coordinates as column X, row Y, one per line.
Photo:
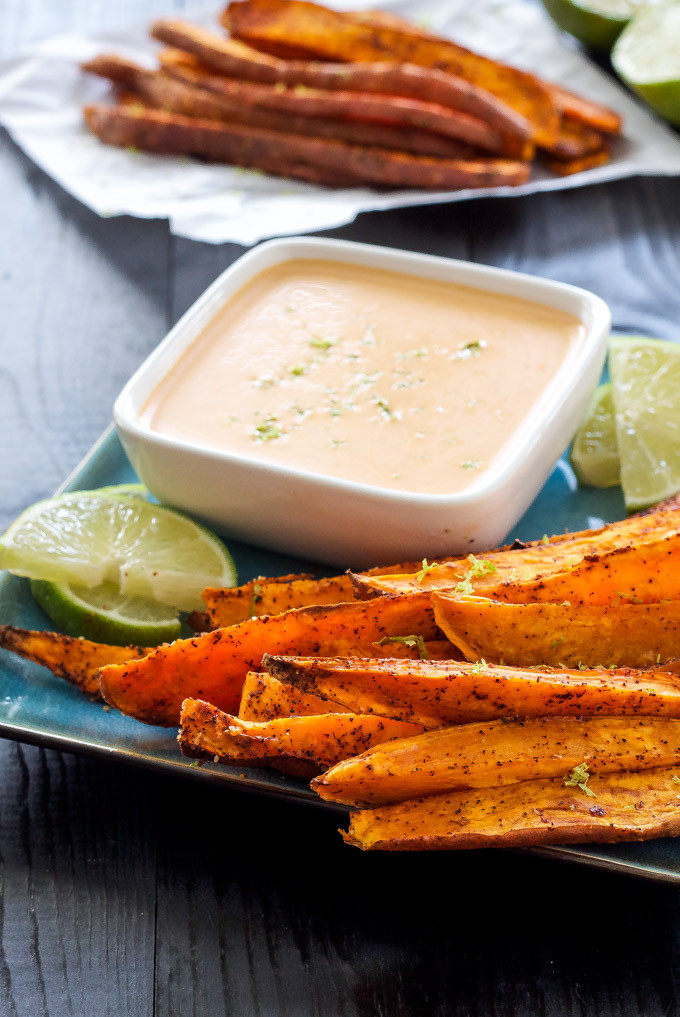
column 126, row 895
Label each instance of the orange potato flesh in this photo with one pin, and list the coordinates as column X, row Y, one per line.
column 334, row 36
column 498, row 752
column 207, row 732
column 575, row 140
column 266, row 698
column 76, row 660
column 628, row 806
column 536, row 559
column 438, row 694
column 527, row 635
column 213, row 666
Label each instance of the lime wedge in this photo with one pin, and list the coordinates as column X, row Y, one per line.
column 647, row 57
column 594, row 453
column 105, row 615
column 86, row 538
column 597, row 23
column 645, row 377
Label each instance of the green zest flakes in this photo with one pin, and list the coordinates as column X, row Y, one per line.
column 413, row 642
column 320, row 344
column 478, row 666
column 268, row 431
column 478, row 567
column 579, row 777
column 425, row 569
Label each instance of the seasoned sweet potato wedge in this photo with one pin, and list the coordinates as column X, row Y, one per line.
column 266, row 698
column 208, row 733
column 440, row 693
column 181, row 90
column 627, row 806
column 213, row 666
column 335, row 36
column 76, row 660
column 274, row 596
column 237, row 60
column 345, row 105
column 645, row 573
column 316, row 160
column 575, row 140
column 585, row 111
column 237, row 144
column 526, row 635
column 499, row 752
column 567, row 167
column 529, row 561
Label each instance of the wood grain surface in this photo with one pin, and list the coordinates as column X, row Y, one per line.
column 126, row 895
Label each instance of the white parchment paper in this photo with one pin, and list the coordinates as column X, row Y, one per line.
column 42, row 95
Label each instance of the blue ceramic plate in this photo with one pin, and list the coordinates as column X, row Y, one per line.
column 39, row 708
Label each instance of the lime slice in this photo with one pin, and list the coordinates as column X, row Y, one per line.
column 647, row 57
column 594, row 453
column 105, row 615
column 645, row 377
column 86, row 538
column 597, row 23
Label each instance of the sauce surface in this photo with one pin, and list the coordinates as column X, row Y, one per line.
column 364, row 374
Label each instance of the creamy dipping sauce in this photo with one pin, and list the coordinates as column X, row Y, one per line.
column 365, row 374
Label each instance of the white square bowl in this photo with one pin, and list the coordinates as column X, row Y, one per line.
column 340, row 521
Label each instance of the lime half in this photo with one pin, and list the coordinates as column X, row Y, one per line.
column 594, row 453
column 87, row 538
column 105, row 615
column 645, row 377
column 597, row 23
column 647, row 57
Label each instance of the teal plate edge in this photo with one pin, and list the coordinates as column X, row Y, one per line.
column 38, row 708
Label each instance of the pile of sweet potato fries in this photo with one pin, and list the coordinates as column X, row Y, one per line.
column 345, row 100
column 529, row 695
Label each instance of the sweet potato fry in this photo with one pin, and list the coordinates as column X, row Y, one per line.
column 185, row 92
column 440, row 693
column 334, row 36
column 345, row 105
column 527, row 635
column 239, row 145
column 264, row 697
column 274, row 596
column 527, row 562
column 316, row 160
column 627, row 806
column 213, row 666
column 566, row 168
column 574, row 141
column 208, row 733
column 235, row 59
column 585, row 111
column 645, row 573
column 76, row 660
column 499, row 752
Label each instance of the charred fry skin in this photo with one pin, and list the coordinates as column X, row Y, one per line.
column 499, row 752
column 440, row 693
column 626, row 807
column 527, row 635
column 76, row 660
column 213, row 666
column 566, row 168
column 208, row 733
